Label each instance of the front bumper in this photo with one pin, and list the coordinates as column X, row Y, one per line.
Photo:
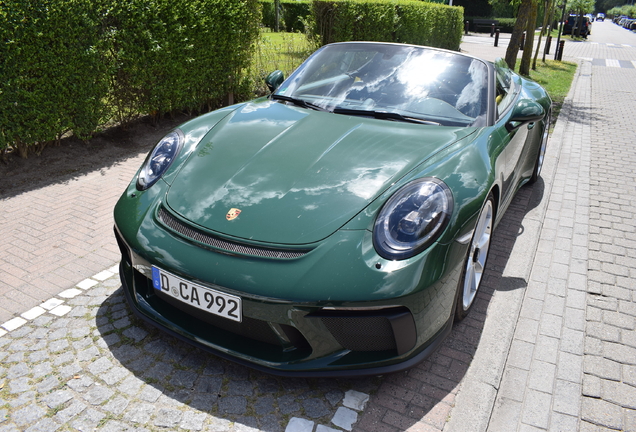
column 316, row 315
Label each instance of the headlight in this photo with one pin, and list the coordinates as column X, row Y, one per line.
column 160, row 159
column 413, row 218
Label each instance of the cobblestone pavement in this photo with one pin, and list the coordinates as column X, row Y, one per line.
column 550, row 344
column 82, row 361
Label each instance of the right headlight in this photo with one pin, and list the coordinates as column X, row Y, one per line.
column 412, row 219
column 160, row 159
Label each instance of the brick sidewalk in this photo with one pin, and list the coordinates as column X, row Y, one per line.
column 58, row 235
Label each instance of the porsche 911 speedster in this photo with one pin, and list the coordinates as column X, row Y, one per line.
column 340, row 225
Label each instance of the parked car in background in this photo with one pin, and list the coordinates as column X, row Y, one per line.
column 629, row 23
column 571, row 25
column 600, row 17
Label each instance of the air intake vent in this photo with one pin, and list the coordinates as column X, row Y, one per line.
column 233, row 247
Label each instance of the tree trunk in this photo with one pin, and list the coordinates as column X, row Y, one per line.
column 517, row 32
column 531, row 24
column 546, row 15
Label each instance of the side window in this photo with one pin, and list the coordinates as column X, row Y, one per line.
column 506, row 87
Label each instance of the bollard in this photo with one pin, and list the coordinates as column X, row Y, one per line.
column 548, row 42
column 492, row 29
column 466, row 27
column 497, row 37
column 560, row 50
column 523, row 41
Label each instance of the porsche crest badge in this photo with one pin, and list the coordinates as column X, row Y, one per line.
column 232, row 214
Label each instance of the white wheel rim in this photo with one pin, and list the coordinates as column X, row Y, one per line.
column 544, row 145
column 476, row 262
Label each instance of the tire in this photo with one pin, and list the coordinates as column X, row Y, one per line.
column 538, row 164
column 476, row 259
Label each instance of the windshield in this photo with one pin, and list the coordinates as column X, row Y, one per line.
column 414, row 82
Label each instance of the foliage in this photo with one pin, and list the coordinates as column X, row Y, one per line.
column 71, row 65
column 292, row 15
column 275, row 51
column 403, row 21
column 606, row 5
column 178, row 54
column 477, row 8
column 556, row 77
column 626, row 10
column 581, row 6
column 505, row 8
column 52, row 72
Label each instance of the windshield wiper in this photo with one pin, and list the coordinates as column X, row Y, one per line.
column 384, row 115
column 299, row 102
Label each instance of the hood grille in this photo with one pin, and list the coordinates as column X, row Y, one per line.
column 224, row 245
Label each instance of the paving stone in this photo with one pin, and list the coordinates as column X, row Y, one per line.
column 44, row 425
column 300, row 425
column 114, row 375
column 192, row 421
column 209, row 384
column 345, row 418
column 150, row 393
column 131, row 385
column 287, row 404
column 18, row 370
column 100, row 365
column 98, row 394
column 183, row 378
column 80, row 384
column 264, row 405
column 232, row 405
column 168, row 418
column 602, row 413
column 65, row 415
column 87, row 420
column 19, row 385
column 204, row 401
column 355, row 400
column 139, row 413
column 240, row 388
column 135, row 333
column 315, row 408
column 28, row 415
column 117, row 405
column 57, row 398
column 27, row 397
column 48, row 384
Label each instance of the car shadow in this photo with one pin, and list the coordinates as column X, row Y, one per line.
column 165, row 371
column 426, row 393
column 161, row 371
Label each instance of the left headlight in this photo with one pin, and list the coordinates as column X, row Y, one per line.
column 413, row 218
column 160, row 159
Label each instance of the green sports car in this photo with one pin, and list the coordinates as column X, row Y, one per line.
column 340, row 225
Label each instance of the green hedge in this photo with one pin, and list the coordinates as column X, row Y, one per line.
column 404, row 21
column 52, row 72
column 292, row 15
column 71, row 65
column 179, row 54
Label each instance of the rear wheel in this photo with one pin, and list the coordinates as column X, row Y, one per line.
column 475, row 264
column 541, row 156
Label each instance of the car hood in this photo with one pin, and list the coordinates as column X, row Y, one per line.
column 296, row 175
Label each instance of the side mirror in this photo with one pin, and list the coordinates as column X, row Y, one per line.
column 274, row 80
column 526, row 111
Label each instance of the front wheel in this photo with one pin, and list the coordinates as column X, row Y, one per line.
column 475, row 264
column 538, row 164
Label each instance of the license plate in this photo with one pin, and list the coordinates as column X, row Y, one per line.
column 207, row 299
